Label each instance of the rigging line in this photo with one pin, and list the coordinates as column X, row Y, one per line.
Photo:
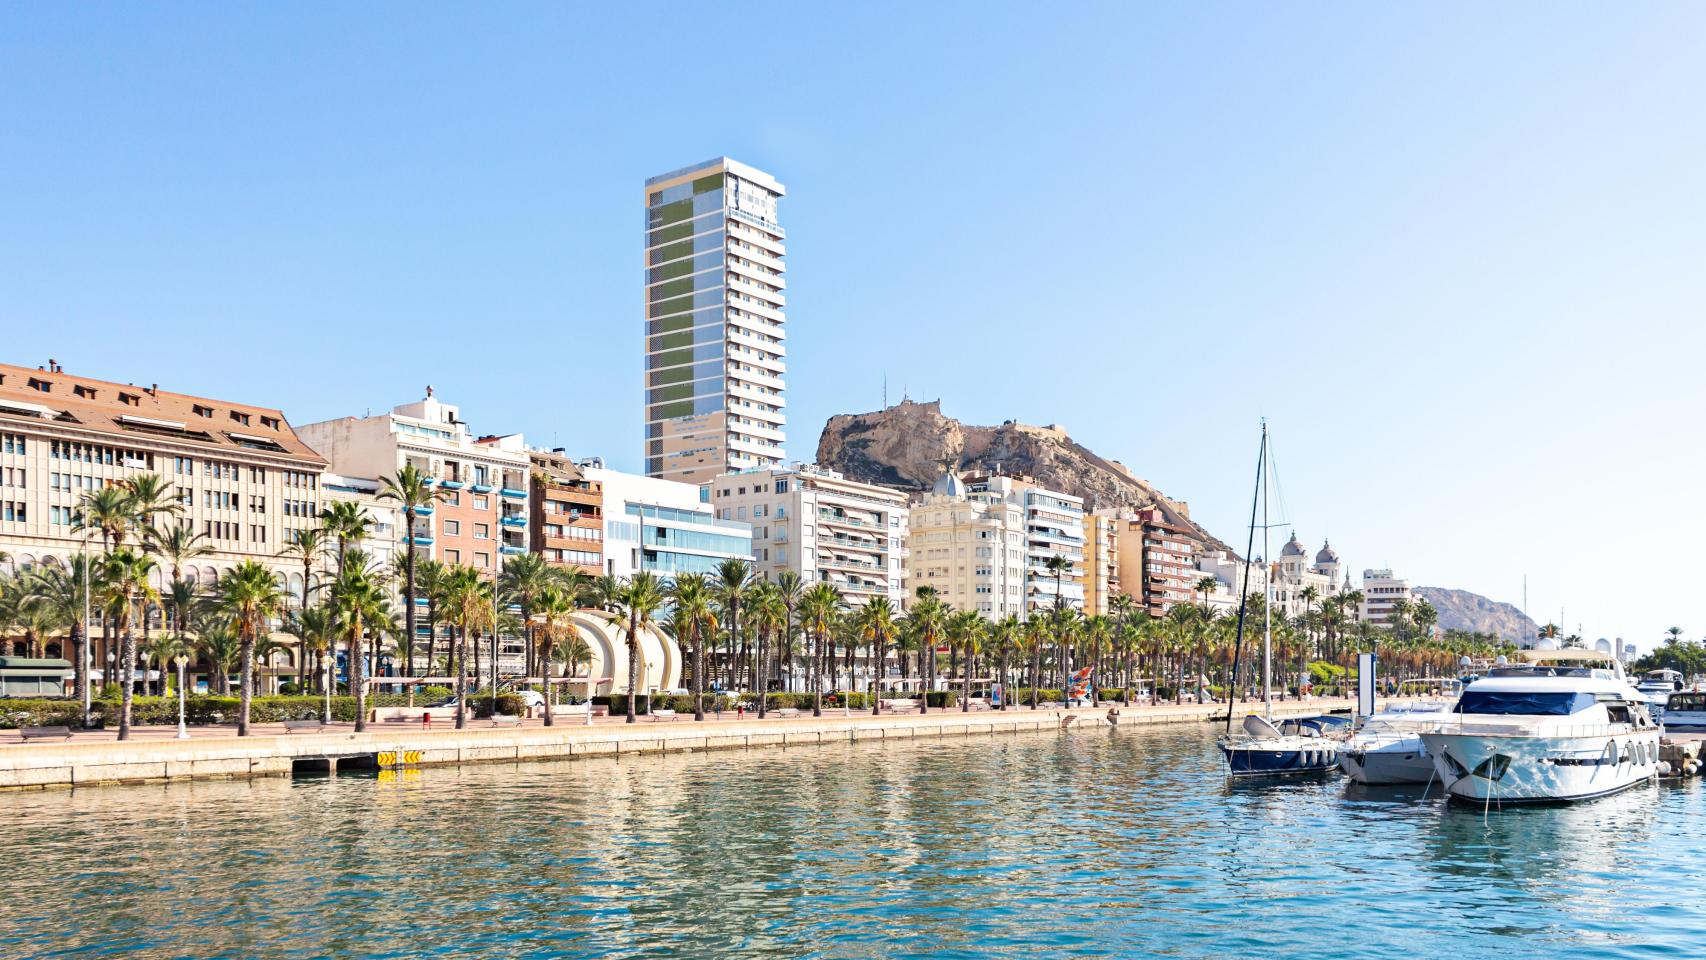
column 1244, row 592
column 1279, row 490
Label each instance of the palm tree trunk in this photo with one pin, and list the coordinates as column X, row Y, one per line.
column 699, row 674
column 247, row 668
column 633, row 662
column 127, row 656
column 460, row 654
column 357, row 676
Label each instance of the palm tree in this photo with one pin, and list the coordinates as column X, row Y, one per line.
column 467, row 605
column 733, row 581
column 430, row 578
column 1004, row 642
column 929, row 617
column 224, row 649
column 818, row 610
column 965, row 630
column 314, row 628
column 1059, row 566
column 65, row 592
column 554, row 606
column 249, row 593
column 637, row 605
column 767, row 613
column 875, row 623
column 524, row 577
column 414, row 491
column 1036, row 637
column 347, row 523
column 792, row 590
column 357, row 599
column 306, row 546
column 127, row 574
column 694, row 624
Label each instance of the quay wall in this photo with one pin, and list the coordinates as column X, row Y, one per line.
column 73, row 764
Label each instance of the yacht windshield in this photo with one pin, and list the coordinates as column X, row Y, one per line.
column 1525, row 704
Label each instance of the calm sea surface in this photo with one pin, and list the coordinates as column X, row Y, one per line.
column 1090, row 843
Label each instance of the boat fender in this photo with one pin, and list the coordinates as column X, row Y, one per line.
column 1664, row 768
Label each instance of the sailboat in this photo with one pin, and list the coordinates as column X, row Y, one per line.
column 1263, row 750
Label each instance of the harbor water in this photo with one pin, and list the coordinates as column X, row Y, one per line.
column 1086, row 843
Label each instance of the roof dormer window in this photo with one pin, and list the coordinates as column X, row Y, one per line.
column 37, row 383
column 129, row 399
column 270, row 422
column 241, row 418
column 202, row 411
column 87, row 393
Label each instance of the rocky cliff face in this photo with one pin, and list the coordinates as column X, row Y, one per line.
column 906, row 445
column 1462, row 610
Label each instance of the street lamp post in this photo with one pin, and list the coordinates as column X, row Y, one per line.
column 112, row 665
column 327, row 686
column 182, row 662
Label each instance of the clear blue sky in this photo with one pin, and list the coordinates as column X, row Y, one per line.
column 1454, row 254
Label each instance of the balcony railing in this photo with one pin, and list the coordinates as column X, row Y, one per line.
column 512, row 493
column 513, row 521
column 481, row 488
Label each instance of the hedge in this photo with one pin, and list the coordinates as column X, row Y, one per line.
column 203, row 709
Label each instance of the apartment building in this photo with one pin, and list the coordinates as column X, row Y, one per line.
column 1101, row 562
column 1380, row 590
column 244, row 479
column 715, row 322
column 663, row 527
column 822, row 526
column 1158, row 560
column 385, row 538
column 567, row 522
column 483, row 517
column 1053, row 527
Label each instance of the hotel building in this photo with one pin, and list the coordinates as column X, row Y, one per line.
column 244, row 479
column 483, row 516
column 715, row 360
column 567, row 523
column 1294, row 574
column 663, row 527
column 822, row 526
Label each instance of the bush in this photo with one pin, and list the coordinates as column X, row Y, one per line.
column 20, row 712
column 941, row 698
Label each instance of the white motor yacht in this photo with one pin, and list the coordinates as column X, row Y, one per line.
column 1565, row 725
column 1685, row 712
column 1387, row 747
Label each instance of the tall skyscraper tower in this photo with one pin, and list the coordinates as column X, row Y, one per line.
column 714, row 322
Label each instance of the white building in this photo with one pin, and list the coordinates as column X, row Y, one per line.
column 822, row 526
column 984, row 544
column 1380, row 589
column 715, row 361
column 1294, row 574
column 663, row 527
column 483, row 517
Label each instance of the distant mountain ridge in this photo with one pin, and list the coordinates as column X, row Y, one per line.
column 904, row 446
column 1462, row 610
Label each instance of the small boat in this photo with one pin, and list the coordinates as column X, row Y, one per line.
column 1663, row 681
column 1685, row 712
column 1567, row 725
column 1266, row 751
column 1388, row 748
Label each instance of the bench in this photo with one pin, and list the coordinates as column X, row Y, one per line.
column 505, row 720
column 45, row 733
column 787, row 713
column 900, row 706
column 663, row 714
column 291, row 726
column 978, row 703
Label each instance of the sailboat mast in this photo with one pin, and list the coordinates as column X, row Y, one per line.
column 1268, row 605
column 1244, row 593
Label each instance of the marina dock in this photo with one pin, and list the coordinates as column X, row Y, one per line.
column 90, row 762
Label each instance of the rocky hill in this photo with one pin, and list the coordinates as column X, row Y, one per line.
column 906, row 445
column 1462, row 610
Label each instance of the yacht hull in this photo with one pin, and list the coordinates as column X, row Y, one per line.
column 1520, row 769
column 1279, row 757
column 1405, row 761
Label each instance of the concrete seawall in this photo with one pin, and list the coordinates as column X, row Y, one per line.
column 44, row 765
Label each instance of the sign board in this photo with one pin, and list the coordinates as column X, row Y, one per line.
column 1365, row 684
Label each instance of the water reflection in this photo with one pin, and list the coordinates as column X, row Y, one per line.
column 1095, row 843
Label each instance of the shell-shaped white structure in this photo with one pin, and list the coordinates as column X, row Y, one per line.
column 660, row 656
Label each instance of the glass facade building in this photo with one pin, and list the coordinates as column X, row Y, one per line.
column 715, row 318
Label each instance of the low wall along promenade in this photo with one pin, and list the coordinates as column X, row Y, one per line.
column 71, row 764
